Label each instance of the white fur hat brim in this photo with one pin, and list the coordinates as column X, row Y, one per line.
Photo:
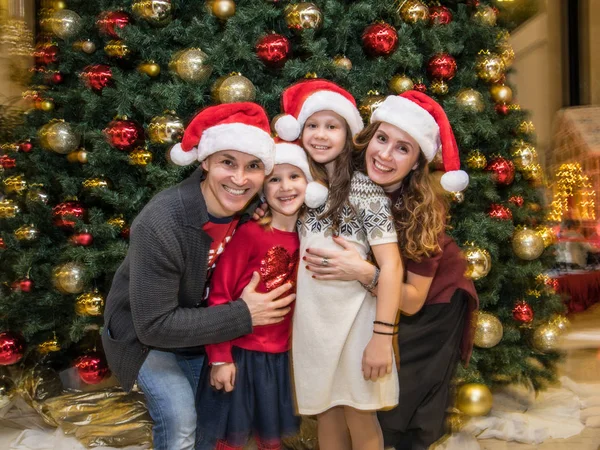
column 331, row 101
column 182, row 158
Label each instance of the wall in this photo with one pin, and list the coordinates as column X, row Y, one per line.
column 590, row 52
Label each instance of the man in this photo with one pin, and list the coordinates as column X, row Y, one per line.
column 156, row 321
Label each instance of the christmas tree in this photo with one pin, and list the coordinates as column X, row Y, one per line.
column 116, row 81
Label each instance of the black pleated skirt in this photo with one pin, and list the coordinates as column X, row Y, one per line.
column 429, row 347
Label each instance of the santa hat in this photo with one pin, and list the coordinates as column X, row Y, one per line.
column 425, row 120
column 303, row 99
column 292, row 153
column 232, row 126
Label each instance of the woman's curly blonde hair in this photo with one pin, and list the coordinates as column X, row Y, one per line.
column 419, row 211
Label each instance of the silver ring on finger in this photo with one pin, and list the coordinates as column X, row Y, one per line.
column 325, row 262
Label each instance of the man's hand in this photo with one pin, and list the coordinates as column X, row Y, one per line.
column 265, row 309
column 260, row 211
column 223, row 377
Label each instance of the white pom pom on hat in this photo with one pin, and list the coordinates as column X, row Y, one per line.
column 425, row 120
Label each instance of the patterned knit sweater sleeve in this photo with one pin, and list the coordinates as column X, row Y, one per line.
column 157, row 265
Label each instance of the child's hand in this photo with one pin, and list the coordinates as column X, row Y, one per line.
column 377, row 357
column 223, row 377
column 259, row 212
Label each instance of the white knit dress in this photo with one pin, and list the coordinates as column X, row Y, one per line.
column 333, row 320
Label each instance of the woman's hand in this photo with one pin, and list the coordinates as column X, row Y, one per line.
column 377, row 357
column 223, row 377
column 345, row 264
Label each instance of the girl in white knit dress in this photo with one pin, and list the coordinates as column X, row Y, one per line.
column 342, row 353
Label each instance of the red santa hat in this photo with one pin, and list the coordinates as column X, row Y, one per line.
column 425, row 120
column 303, row 99
column 232, row 126
column 292, row 153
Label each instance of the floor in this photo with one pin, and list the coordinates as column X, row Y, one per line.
column 582, row 364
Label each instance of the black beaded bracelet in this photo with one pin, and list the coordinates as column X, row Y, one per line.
column 387, row 324
column 384, row 333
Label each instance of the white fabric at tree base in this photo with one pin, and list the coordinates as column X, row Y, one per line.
column 519, row 416
column 55, row 440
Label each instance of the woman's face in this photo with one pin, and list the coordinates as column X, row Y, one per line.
column 390, row 156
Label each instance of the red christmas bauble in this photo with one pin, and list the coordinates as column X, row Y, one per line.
column 553, row 283
column 12, row 348
column 92, row 368
column 498, row 211
column 6, row 162
column 83, row 239
column 125, row 233
column 97, row 76
column 380, row 39
column 420, row 87
column 503, row 171
column 56, row 78
column 273, row 49
column 25, row 147
column 522, row 312
column 440, row 15
column 26, row 285
column 516, row 200
column 65, row 212
column 502, row 109
column 110, row 21
column 45, row 54
column 2, row 244
column 442, row 67
column 124, row 134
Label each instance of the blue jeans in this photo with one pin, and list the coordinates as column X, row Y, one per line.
column 170, row 382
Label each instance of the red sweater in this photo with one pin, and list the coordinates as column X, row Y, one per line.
column 274, row 255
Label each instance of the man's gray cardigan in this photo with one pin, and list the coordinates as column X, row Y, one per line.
column 155, row 298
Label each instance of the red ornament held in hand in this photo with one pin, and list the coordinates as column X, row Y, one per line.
column 92, row 368
column 273, row 49
column 12, row 348
column 442, row 67
column 97, row 76
column 124, row 134
column 522, row 312
column 380, row 39
column 503, row 171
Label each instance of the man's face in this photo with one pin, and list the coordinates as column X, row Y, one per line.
column 232, row 179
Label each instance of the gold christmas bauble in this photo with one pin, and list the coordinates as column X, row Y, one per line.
column 303, row 16
column 457, row 197
column 49, row 346
column 36, row 193
column 191, row 65
column 546, row 234
column 140, row 157
column 117, row 222
column 527, row 244
column 412, row 11
column 58, row 4
column 59, row 136
column 15, row 184
column 117, row 49
column 223, row 9
column 47, row 105
column 507, row 54
column 439, row 87
column 485, row 15
column 400, row 83
column 501, row 93
column 90, row 304
column 476, row 160
column 27, row 233
column 157, row 12
column 88, row 47
column 78, row 156
column 455, row 422
column 150, row 68
column 7, row 391
column 490, row 67
column 561, row 322
column 233, row 88
column 165, row 129
column 533, row 173
column 342, row 62
column 479, row 262
column 474, row 399
column 8, row 209
column 65, row 23
column 523, row 154
column 470, row 100
column 546, row 337
column 95, row 183
column 69, row 278
column 369, row 104
column 526, row 127
column 488, row 330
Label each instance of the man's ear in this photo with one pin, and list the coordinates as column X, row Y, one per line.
column 204, row 165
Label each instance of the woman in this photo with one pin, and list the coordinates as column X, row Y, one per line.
column 394, row 151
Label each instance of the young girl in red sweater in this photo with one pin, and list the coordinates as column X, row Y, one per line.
column 246, row 389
